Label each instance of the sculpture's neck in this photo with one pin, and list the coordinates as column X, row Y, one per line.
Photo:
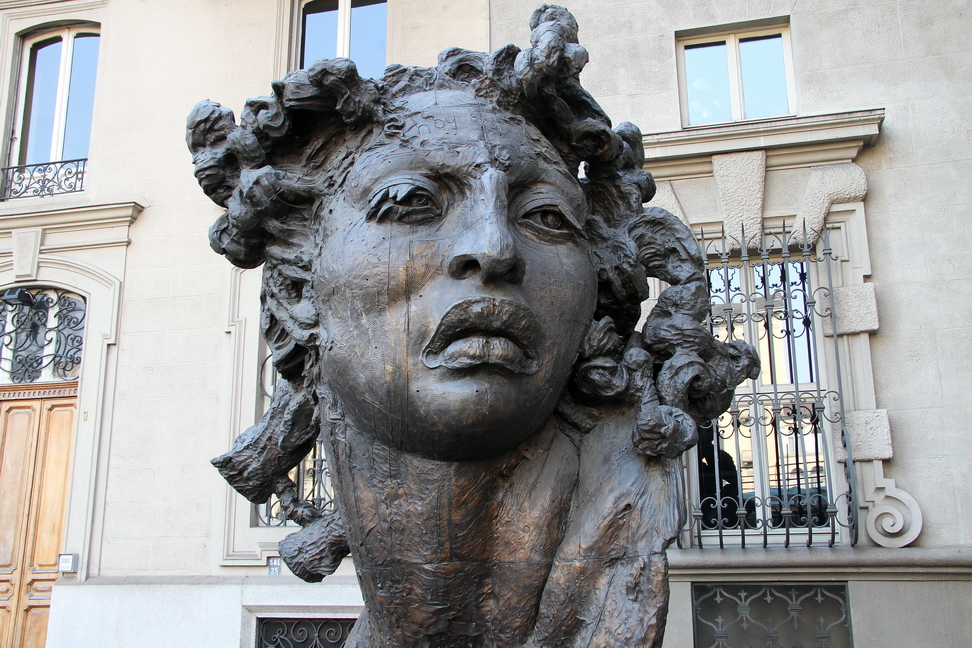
column 436, row 533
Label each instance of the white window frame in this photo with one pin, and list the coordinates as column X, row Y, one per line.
column 343, row 32
column 67, row 35
column 731, row 37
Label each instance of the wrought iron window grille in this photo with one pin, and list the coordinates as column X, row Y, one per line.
column 311, row 476
column 303, row 633
column 47, row 179
column 41, row 335
column 776, row 615
column 764, row 472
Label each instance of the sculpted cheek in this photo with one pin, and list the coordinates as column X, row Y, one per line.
column 411, row 266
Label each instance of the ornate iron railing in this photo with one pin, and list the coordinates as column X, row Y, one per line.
column 48, row 179
column 764, row 472
column 776, row 615
column 303, row 633
column 41, row 335
column 312, row 477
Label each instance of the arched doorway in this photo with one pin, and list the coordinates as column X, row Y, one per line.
column 41, row 333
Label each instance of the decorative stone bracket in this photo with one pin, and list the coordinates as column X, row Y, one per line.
column 893, row 518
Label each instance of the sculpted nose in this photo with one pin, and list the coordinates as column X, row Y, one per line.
column 486, row 247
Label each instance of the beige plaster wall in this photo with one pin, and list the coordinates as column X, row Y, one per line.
column 163, row 506
column 164, row 503
column 419, row 29
column 152, row 493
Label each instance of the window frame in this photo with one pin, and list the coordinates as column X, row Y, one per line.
column 732, row 36
column 15, row 147
column 828, row 383
column 343, row 48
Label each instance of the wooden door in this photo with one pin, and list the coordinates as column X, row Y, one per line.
column 36, row 438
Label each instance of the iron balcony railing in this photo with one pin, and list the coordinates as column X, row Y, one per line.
column 38, row 180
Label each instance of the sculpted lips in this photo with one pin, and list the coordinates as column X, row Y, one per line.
column 481, row 331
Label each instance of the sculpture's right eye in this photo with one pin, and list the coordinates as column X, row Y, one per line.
column 404, row 203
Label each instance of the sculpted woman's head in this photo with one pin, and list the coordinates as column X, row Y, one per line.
column 432, row 258
column 451, row 253
column 454, row 260
column 454, row 280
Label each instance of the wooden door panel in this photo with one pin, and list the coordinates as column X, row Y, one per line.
column 18, row 429
column 6, row 622
column 35, row 626
column 51, row 471
column 36, row 441
column 18, row 433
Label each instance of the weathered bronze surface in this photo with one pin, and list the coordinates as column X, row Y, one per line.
column 453, row 311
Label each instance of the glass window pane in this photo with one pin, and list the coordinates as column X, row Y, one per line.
column 77, row 127
column 45, row 63
column 707, row 83
column 320, row 32
column 763, row 76
column 368, row 20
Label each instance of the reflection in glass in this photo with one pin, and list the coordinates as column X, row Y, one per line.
column 763, row 76
column 45, row 62
column 77, row 127
column 368, row 19
column 320, row 31
column 707, row 83
column 785, row 343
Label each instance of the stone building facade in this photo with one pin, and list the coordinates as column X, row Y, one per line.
column 871, row 150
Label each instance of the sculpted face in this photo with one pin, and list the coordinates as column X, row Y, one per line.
column 454, row 281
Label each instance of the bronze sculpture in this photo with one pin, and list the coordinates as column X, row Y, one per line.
column 452, row 311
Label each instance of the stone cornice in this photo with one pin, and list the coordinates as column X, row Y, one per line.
column 73, row 217
column 789, row 142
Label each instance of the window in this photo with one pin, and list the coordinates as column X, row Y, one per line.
column 765, row 469
column 782, row 615
column 41, row 332
column 54, row 125
column 734, row 76
column 352, row 29
column 311, row 477
column 303, row 633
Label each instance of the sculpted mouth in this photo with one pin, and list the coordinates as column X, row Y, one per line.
column 485, row 331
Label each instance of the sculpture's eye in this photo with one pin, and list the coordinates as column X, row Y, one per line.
column 548, row 220
column 404, row 203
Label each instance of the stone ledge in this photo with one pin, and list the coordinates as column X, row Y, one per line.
column 789, row 142
column 807, row 563
column 72, row 216
column 287, row 580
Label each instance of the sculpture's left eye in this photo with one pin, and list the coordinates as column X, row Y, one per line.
column 548, row 220
column 403, row 203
